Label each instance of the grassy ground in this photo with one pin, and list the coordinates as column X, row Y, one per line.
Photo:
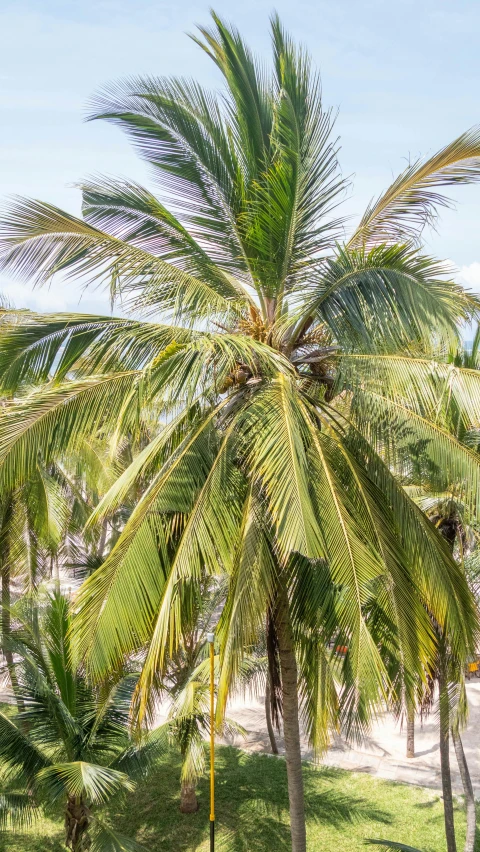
column 343, row 809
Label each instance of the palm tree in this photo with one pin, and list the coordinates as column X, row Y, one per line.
column 186, row 685
column 188, row 722
column 70, row 743
column 447, row 511
column 291, row 367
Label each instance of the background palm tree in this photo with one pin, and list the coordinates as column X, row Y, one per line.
column 69, row 743
column 291, row 367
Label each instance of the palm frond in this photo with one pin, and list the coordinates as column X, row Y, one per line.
column 56, row 418
column 251, row 586
column 385, row 297
column 427, row 385
column 417, row 446
column 38, row 240
column 17, row 750
column 274, row 431
column 106, row 839
column 411, row 202
column 177, row 127
column 17, row 811
column 205, row 546
column 41, row 348
column 96, row 783
column 439, row 579
column 133, row 214
column 173, row 489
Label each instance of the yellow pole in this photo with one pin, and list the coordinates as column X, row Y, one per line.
column 211, row 640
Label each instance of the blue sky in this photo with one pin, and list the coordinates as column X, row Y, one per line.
column 404, row 76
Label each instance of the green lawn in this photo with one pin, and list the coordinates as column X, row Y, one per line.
column 343, row 809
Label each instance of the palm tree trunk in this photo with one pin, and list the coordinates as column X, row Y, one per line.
column 291, row 726
column 445, row 764
column 468, row 789
column 6, row 623
column 268, row 716
column 55, row 572
column 32, row 555
column 77, row 822
column 6, row 596
column 102, row 540
column 410, row 729
column 188, row 798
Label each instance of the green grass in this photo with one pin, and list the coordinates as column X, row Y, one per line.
column 343, row 809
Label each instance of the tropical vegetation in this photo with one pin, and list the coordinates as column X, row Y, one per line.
column 342, row 809
column 295, row 374
column 69, row 741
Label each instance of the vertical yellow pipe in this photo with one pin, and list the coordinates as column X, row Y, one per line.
column 211, row 639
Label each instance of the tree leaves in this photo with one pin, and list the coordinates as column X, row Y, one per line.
column 95, row 783
column 411, row 202
column 286, row 405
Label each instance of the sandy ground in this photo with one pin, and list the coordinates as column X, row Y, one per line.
column 383, row 754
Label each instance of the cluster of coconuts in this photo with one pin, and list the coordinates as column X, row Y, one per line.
column 239, row 376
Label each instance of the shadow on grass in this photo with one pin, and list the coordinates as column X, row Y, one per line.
column 333, row 808
column 20, row 842
column 251, row 806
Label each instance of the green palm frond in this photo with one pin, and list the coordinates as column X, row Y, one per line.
column 410, row 203
column 54, row 419
column 105, row 839
column 96, row 783
column 427, row 385
column 205, row 546
column 174, row 489
column 385, row 297
column 130, row 586
column 439, row 578
column 177, row 127
column 38, row 240
column 52, row 507
column 251, row 108
column 146, row 463
column 274, row 431
column 17, row 750
column 133, row 214
column 313, row 605
column 58, row 648
column 40, row 348
column 355, row 566
column 17, row 811
column 251, row 585
column 399, row 434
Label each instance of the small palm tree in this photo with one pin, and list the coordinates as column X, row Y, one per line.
column 70, row 743
column 186, row 684
column 188, row 725
column 291, row 364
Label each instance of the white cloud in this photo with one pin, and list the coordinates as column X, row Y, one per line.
column 59, row 297
column 470, row 276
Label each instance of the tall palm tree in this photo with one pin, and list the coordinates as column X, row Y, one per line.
column 291, row 366
column 446, row 510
